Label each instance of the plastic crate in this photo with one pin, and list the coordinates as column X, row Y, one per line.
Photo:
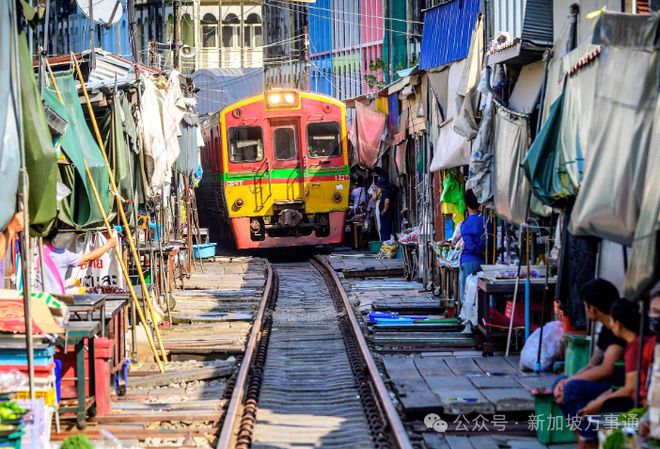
column 12, row 441
column 204, row 250
column 545, row 409
column 43, row 388
column 577, row 353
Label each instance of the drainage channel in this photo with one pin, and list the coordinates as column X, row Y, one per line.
column 308, row 380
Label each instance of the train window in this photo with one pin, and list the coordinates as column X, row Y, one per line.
column 246, row 144
column 285, row 144
column 323, row 139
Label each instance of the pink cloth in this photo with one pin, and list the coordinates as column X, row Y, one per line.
column 370, row 128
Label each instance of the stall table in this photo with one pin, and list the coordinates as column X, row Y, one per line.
column 79, row 334
column 489, row 288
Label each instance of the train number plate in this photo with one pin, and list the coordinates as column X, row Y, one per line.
column 341, row 177
column 234, row 183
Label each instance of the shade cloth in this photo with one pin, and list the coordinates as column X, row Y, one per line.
column 467, row 95
column 643, row 269
column 153, row 141
column 452, row 149
column 370, row 128
column 619, row 140
column 40, row 157
column 526, row 92
column 9, row 146
column 190, row 142
column 80, row 208
column 510, row 142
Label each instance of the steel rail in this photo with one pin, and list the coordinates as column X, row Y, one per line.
column 232, row 414
column 398, row 430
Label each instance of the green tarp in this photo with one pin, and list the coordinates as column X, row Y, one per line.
column 79, row 209
column 40, row 156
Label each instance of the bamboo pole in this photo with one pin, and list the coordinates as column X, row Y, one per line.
column 120, row 209
column 136, row 303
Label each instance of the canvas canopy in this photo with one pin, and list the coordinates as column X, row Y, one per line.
column 79, row 209
column 371, row 125
column 40, row 157
column 619, row 140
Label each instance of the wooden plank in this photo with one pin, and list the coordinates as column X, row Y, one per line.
column 458, row 396
column 435, row 441
column 226, row 369
column 510, row 399
column 494, row 382
column 144, row 417
column 543, row 381
column 514, row 361
column 459, row 442
column 495, row 365
column 463, row 366
column 412, row 391
column 432, row 366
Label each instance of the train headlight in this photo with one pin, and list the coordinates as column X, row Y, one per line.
column 337, row 197
column 281, row 99
column 238, row 203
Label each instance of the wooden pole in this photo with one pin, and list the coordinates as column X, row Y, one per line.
column 136, row 304
column 120, row 209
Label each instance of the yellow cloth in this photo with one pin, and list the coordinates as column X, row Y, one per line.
column 381, row 104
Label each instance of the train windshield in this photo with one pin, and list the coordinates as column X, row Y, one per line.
column 285, row 144
column 246, row 144
column 323, row 139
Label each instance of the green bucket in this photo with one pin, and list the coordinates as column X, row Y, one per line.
column 550, row 430
column 577, row 353
column 374, row 247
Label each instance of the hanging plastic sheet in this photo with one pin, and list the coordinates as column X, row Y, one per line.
column 618, row 148
column 79, row 209
column 510, row 140
column 526, row 92
column 172, row 109
column 40, row 157
column 467, row 95
column 643, row 269
column 9, row 146
column 555, row 162
column 153, row 141
column 452, row 198
column 452, row 149
column 190, row 143
column 393, row 109
column 370, row 128
column 480, row 178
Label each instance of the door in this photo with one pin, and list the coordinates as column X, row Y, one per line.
column 287, row 163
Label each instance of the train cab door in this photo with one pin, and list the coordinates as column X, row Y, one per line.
column 287, row 163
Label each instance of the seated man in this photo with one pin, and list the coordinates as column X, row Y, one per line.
column 598, row 296
column 625, row 319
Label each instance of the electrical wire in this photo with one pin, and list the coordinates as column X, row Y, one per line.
column 369, row 16
column 376, row 27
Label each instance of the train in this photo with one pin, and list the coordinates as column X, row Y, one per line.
column 276, row 171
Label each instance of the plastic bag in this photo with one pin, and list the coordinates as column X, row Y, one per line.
column 551, row 347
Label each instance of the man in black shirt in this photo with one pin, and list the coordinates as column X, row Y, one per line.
column 600, row 374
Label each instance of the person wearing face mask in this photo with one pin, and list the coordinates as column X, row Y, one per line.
column 625, row 319
column 649, row 425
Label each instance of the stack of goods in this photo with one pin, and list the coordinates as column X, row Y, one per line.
column 11, row 413
column 388, row 250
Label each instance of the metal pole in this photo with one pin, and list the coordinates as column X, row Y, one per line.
column 177, row 36
column 23, row 202
column 120, row 209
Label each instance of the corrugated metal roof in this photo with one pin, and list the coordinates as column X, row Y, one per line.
column 447, row 32
column 220, row 87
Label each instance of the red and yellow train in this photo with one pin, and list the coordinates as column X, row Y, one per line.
column 276, row 170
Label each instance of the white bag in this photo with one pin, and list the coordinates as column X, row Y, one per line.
column 551, row 347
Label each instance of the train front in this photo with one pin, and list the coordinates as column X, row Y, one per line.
column 285, row 169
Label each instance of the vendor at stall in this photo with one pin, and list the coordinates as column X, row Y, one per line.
column 58, row 261
column 385, row 208
column 474, row 241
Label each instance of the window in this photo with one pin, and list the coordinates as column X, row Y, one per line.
column 230, row 31
column 252, row 31
column 323, row 139
column 246, row 144
column 285, row 144
column 209, row 31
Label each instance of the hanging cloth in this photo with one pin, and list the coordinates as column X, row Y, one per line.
column 370, row 127
column 510, row 142
column 609, row 202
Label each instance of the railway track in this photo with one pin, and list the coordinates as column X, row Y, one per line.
column 308, row 380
